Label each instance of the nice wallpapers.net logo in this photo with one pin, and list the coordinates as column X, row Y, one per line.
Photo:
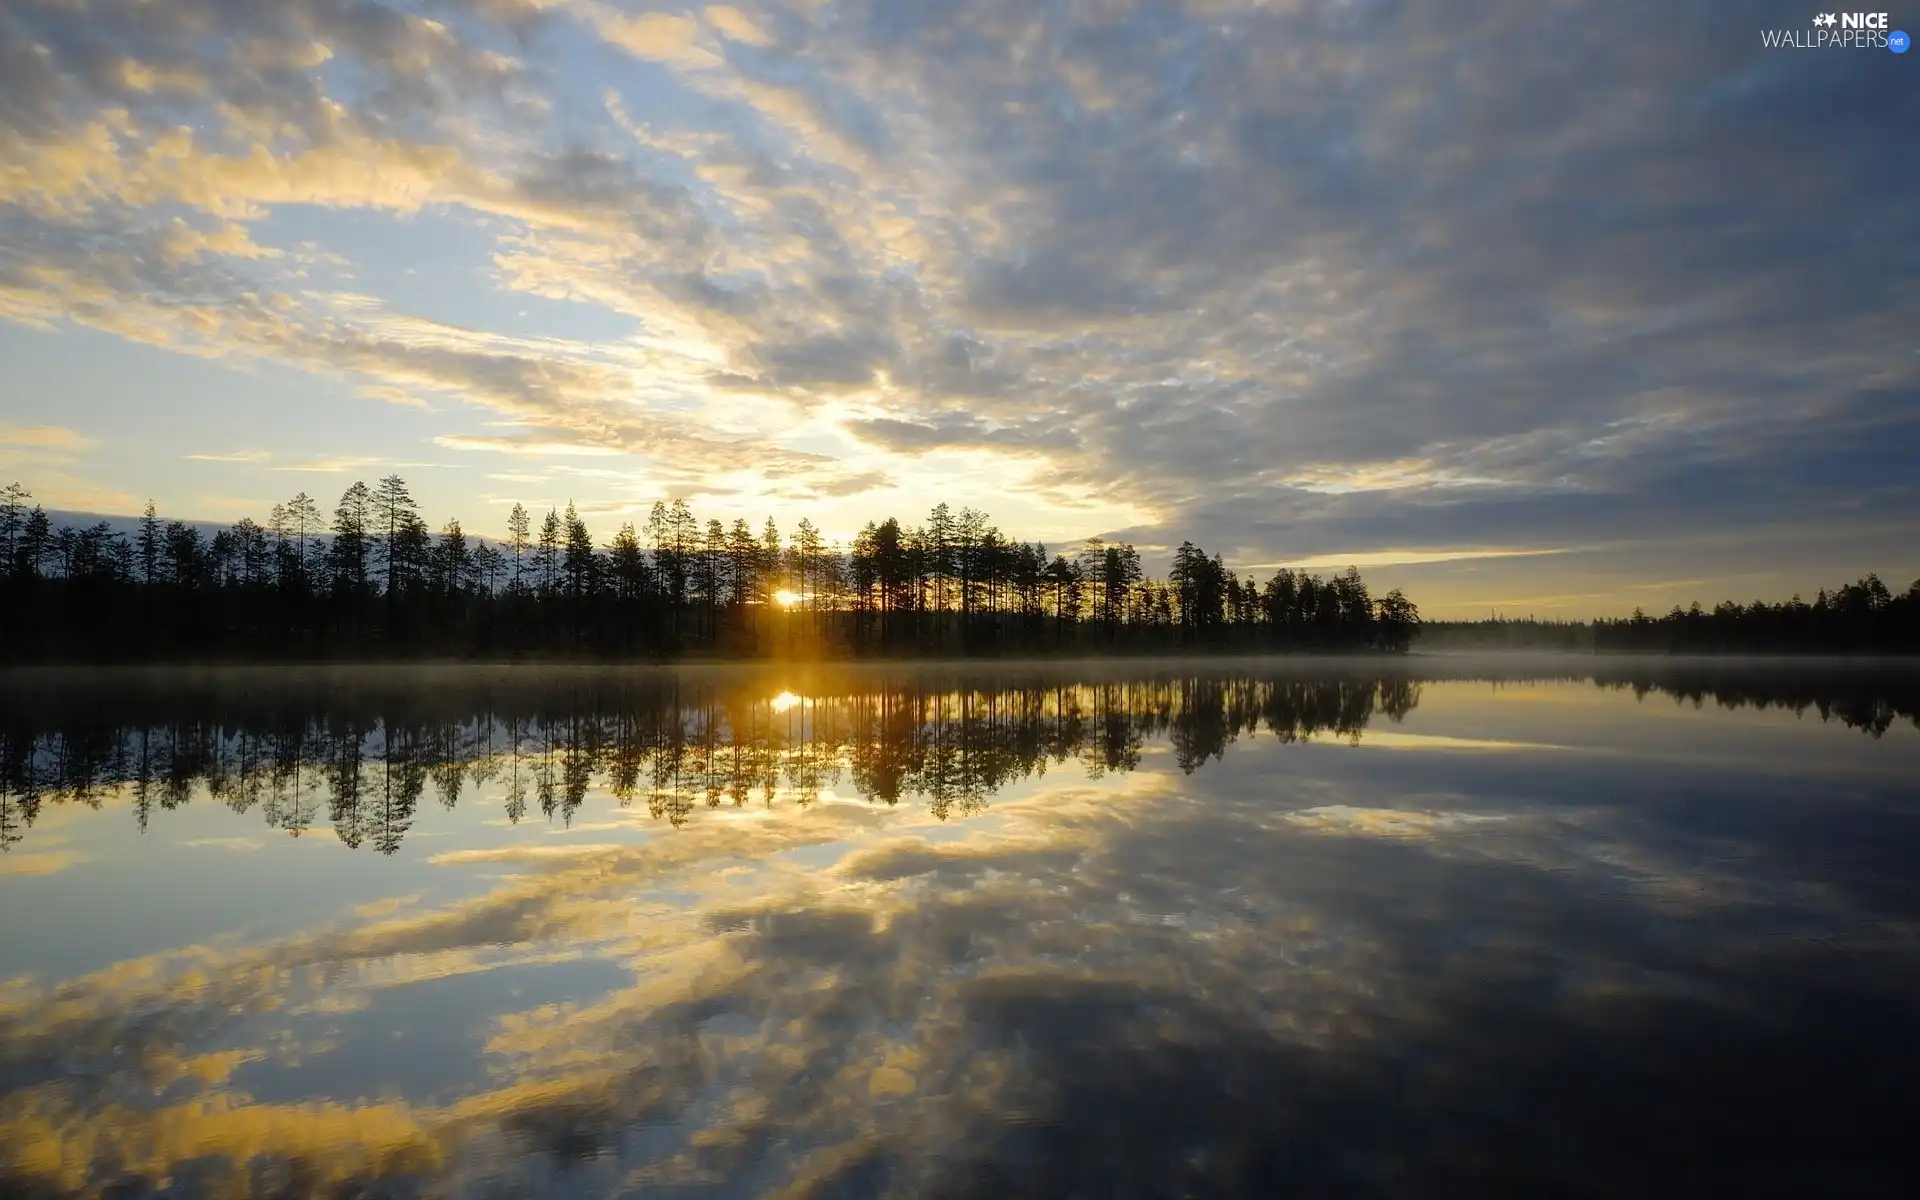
column 1840, row 31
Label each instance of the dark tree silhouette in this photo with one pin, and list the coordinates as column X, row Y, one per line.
column 374, row 582
column 1863, row 617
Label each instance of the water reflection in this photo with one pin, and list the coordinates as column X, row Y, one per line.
column 364, row 762
column 1525, row 947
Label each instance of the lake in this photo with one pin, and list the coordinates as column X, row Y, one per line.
column 1541, row 926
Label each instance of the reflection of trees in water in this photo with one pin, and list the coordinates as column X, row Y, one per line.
column 363, row 764
column 1869, row 706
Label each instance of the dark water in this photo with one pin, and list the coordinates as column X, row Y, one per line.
column 1329, row 929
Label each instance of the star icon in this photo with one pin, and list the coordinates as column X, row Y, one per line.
column 1827, row 19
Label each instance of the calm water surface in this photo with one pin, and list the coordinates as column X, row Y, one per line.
column 1432, row 926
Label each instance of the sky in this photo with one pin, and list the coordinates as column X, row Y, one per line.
column 1559, row 308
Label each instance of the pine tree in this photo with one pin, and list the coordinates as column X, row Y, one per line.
column 148, row 544
column 454, row 563
column 627, row 565
column 302, row 517
column 767, row 580
column 519, row 534
column 489, row 566
column 546, row 556
column 580, row 564
column 253, row 551
column 36, row 543
column 394, row 515
column 12, row 525
column 807, row 547
column 746, row 566
column 939, row 544
column 348, row 554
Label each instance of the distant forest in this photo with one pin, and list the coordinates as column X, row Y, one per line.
column 1863, row 617
column 372, row 581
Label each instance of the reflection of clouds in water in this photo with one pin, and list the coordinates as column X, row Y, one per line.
column 1563, row 840
column 240, row 844
column 522, row 854
column 1384, row 822
column 1388, row 739
column 40, row 862
column 926, row 1014
column 1283, row 971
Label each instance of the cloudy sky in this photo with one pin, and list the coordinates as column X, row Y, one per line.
column 1549, row 307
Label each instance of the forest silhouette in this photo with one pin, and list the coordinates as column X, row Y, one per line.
column 1863, row 617
column 364, row 759
column 371, row 581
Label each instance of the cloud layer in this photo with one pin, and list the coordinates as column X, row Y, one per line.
column 1299, row 278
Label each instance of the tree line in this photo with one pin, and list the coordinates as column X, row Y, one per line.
column 371, row 580
column 1863, row 617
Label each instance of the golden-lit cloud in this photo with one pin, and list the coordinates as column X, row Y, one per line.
column 42, row 437
column 664, row 37
column 235, row 456
column 538, row 449
column 737, row 25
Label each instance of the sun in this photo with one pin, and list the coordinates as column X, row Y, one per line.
column 785, row 598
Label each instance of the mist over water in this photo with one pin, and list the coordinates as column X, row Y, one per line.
column 1350, row 926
